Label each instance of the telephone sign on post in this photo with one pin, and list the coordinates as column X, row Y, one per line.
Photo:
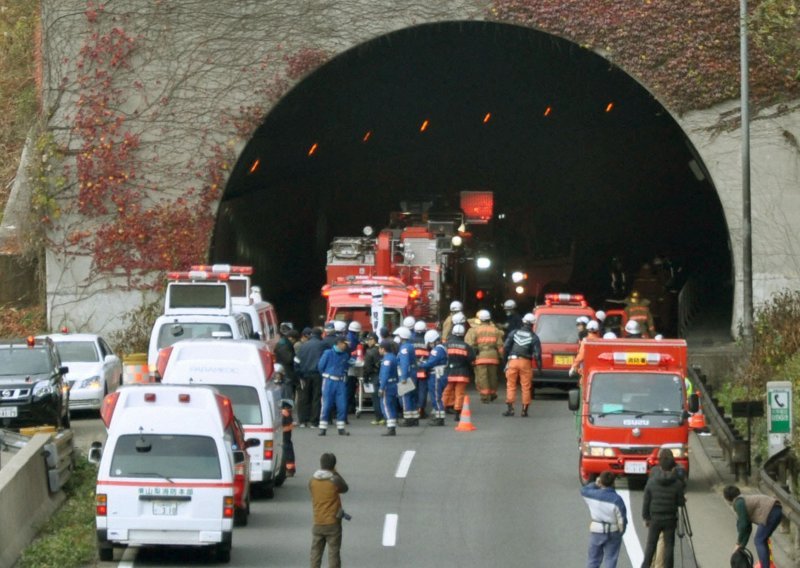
column 779, row 415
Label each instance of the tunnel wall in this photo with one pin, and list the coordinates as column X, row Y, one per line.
column 83, row 298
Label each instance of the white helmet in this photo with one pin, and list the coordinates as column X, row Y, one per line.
column 484, row 315
column 658, row 337
column 459, row 330
column 529, row 318
column 409, row 322
column 459, row 319
column 403, row 332
column 431, row 336
column 582, row 320
column 609, row 335
column 339, row 326
column 354, row 326
column 509, row 305
column 600, row 315
column 593, row 326
column 456, row 306
column 420, row 326
column 633, row 327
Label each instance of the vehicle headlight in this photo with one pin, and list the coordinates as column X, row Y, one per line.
column 598, row 451
column 91, row 382
column 679, row 451
column 42, row 389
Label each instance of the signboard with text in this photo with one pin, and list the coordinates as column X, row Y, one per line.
column 779, row 415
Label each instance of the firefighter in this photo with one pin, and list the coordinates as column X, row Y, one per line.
column 513, row 319
column 593, row 331
column 637, row 309
column 459, row 359
column 288, row 446
column 329, row 339
column 284, row 354
column 387, row 385
column 355, row 370
column 409, row 322
column 436, row 367
column 633, row 330
column 600, row 316
column 407, row 371
column 487, row 341
column 522, row 347
column 447, row 326
column 458, row 319
column 333, row 368
column 580, row 323
column 340, row 328
column 421, row 352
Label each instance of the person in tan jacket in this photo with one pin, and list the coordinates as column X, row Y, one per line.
column 326, row 486
column 761, row 510
column 487, row 341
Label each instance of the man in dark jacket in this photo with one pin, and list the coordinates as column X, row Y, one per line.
column 663, row 495
column 372, row 367
column 284, row 354
column 308, row 356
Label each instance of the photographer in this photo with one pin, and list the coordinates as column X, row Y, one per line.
column 325, row 486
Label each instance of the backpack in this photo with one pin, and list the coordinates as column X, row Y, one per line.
column 742, row 558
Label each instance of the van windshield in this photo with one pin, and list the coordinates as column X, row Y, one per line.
column 169, row 456
column 246, row 405
column 173, row 332
column 554, row 328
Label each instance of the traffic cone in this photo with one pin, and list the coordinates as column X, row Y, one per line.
column 465, row 421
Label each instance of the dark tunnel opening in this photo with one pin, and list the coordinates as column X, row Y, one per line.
column 580, row 157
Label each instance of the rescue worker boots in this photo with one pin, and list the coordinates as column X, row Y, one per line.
column 322, row 432
column 510, row 411
column 343, row 432
column 457, row 417
column 524, row 410
column 436, row 422
column 390, row 432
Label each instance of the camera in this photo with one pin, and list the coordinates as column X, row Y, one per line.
column 342, row 515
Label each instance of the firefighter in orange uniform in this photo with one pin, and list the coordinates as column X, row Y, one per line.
column 637, row 309
column 459, row 359
column 487, row 341
column 447, row 325
column 523, row 347
column 593, row 330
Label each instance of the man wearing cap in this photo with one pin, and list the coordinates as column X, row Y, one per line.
column 310, row 393
column 513, row 319
column 459, row 362
column 420, row 353
column 407, row 371
column 333, row 368
column 329, row 337
column 523, row 347
column 593, row 332
column 372, row 367
column 487, row 341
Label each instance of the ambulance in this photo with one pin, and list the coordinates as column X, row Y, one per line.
column 556, row 327
column 243, row 372
column 166, row 474
column 632, row 402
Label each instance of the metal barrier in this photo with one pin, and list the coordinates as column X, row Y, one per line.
column 778, row 478
column 59, row 454
column 689, row 302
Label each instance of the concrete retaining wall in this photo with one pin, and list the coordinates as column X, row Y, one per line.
column 25, row 500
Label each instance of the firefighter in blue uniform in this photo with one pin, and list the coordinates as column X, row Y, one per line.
column 421, row 353
column 436, row 367
column 387, row 385
column 407, row 371
column 333, row 368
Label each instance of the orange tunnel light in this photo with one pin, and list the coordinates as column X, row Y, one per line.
column 313, row 149
column 255, row 165
column 367, row 136
column 487, row 118
column 609, row 107
column 424, row 126
column 548, row 110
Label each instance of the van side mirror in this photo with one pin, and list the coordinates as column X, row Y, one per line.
column 110, row 358
column 251, row 442
column 694, row 403
column 63, row 370
column 95, row 452
column 574, row 399
column 238, row 457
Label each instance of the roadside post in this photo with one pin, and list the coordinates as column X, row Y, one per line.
column 747, row 409
column 779, row 415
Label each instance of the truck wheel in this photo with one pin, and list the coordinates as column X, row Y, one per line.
column 240, row 517
column 280, row 477
column 269, row 491
column 222, row 553
column 105, row 551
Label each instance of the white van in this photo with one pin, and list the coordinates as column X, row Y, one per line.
column 166, row 474
column 242, row 371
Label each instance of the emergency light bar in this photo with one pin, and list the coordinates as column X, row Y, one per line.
column 199, row 275
column 636, row 359
column 565, row 299
column 220, row 268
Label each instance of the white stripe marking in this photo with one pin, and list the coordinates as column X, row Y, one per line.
column 405, row 463
column 632, row 545
column 128, row 557
column 390, row 529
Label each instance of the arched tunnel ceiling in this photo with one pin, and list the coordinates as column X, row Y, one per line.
column 605, row 167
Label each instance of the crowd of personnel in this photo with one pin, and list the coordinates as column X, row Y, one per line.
column 415, row 371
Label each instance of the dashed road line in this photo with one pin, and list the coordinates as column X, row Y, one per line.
column 632, row 545
column 390, row 529
column 405, row 463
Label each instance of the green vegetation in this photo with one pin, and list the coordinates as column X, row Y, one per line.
column 21, row 322
column 68, row 538
column 134, row 335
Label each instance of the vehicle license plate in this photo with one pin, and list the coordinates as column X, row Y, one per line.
column 165, row 508
column 636, row 467
column 8, row 412
column 563, row 359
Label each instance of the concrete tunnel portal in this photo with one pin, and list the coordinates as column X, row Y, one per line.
column 581, row 158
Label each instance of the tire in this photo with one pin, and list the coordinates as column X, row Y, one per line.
column 222, row 553
column 269, row 491
column 280, row 477
column 105, row 551
column 240, row 517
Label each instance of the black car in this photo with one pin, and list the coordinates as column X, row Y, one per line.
column 32, row 389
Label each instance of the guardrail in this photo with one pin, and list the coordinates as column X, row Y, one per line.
column 778, row 478
column 689, row 302
column 59, row 456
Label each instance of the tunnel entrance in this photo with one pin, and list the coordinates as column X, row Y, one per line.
column 584, row 164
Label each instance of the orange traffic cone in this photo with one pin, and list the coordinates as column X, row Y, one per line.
column 697, row 421
column 465, row 420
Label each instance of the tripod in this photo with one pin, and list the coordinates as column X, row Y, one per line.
column 684, row 529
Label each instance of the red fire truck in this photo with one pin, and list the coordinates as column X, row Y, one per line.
column 631, row 403
column 556, row 328
column 372, row 301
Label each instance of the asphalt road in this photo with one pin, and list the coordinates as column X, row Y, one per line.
column 505, row 494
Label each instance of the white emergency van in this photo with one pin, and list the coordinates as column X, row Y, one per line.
column 242, row 371
column 166, row 474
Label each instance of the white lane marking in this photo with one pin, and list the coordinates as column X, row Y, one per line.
column 632, row 545
column 390, row 529
column 128, row 557
column 405, row 463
